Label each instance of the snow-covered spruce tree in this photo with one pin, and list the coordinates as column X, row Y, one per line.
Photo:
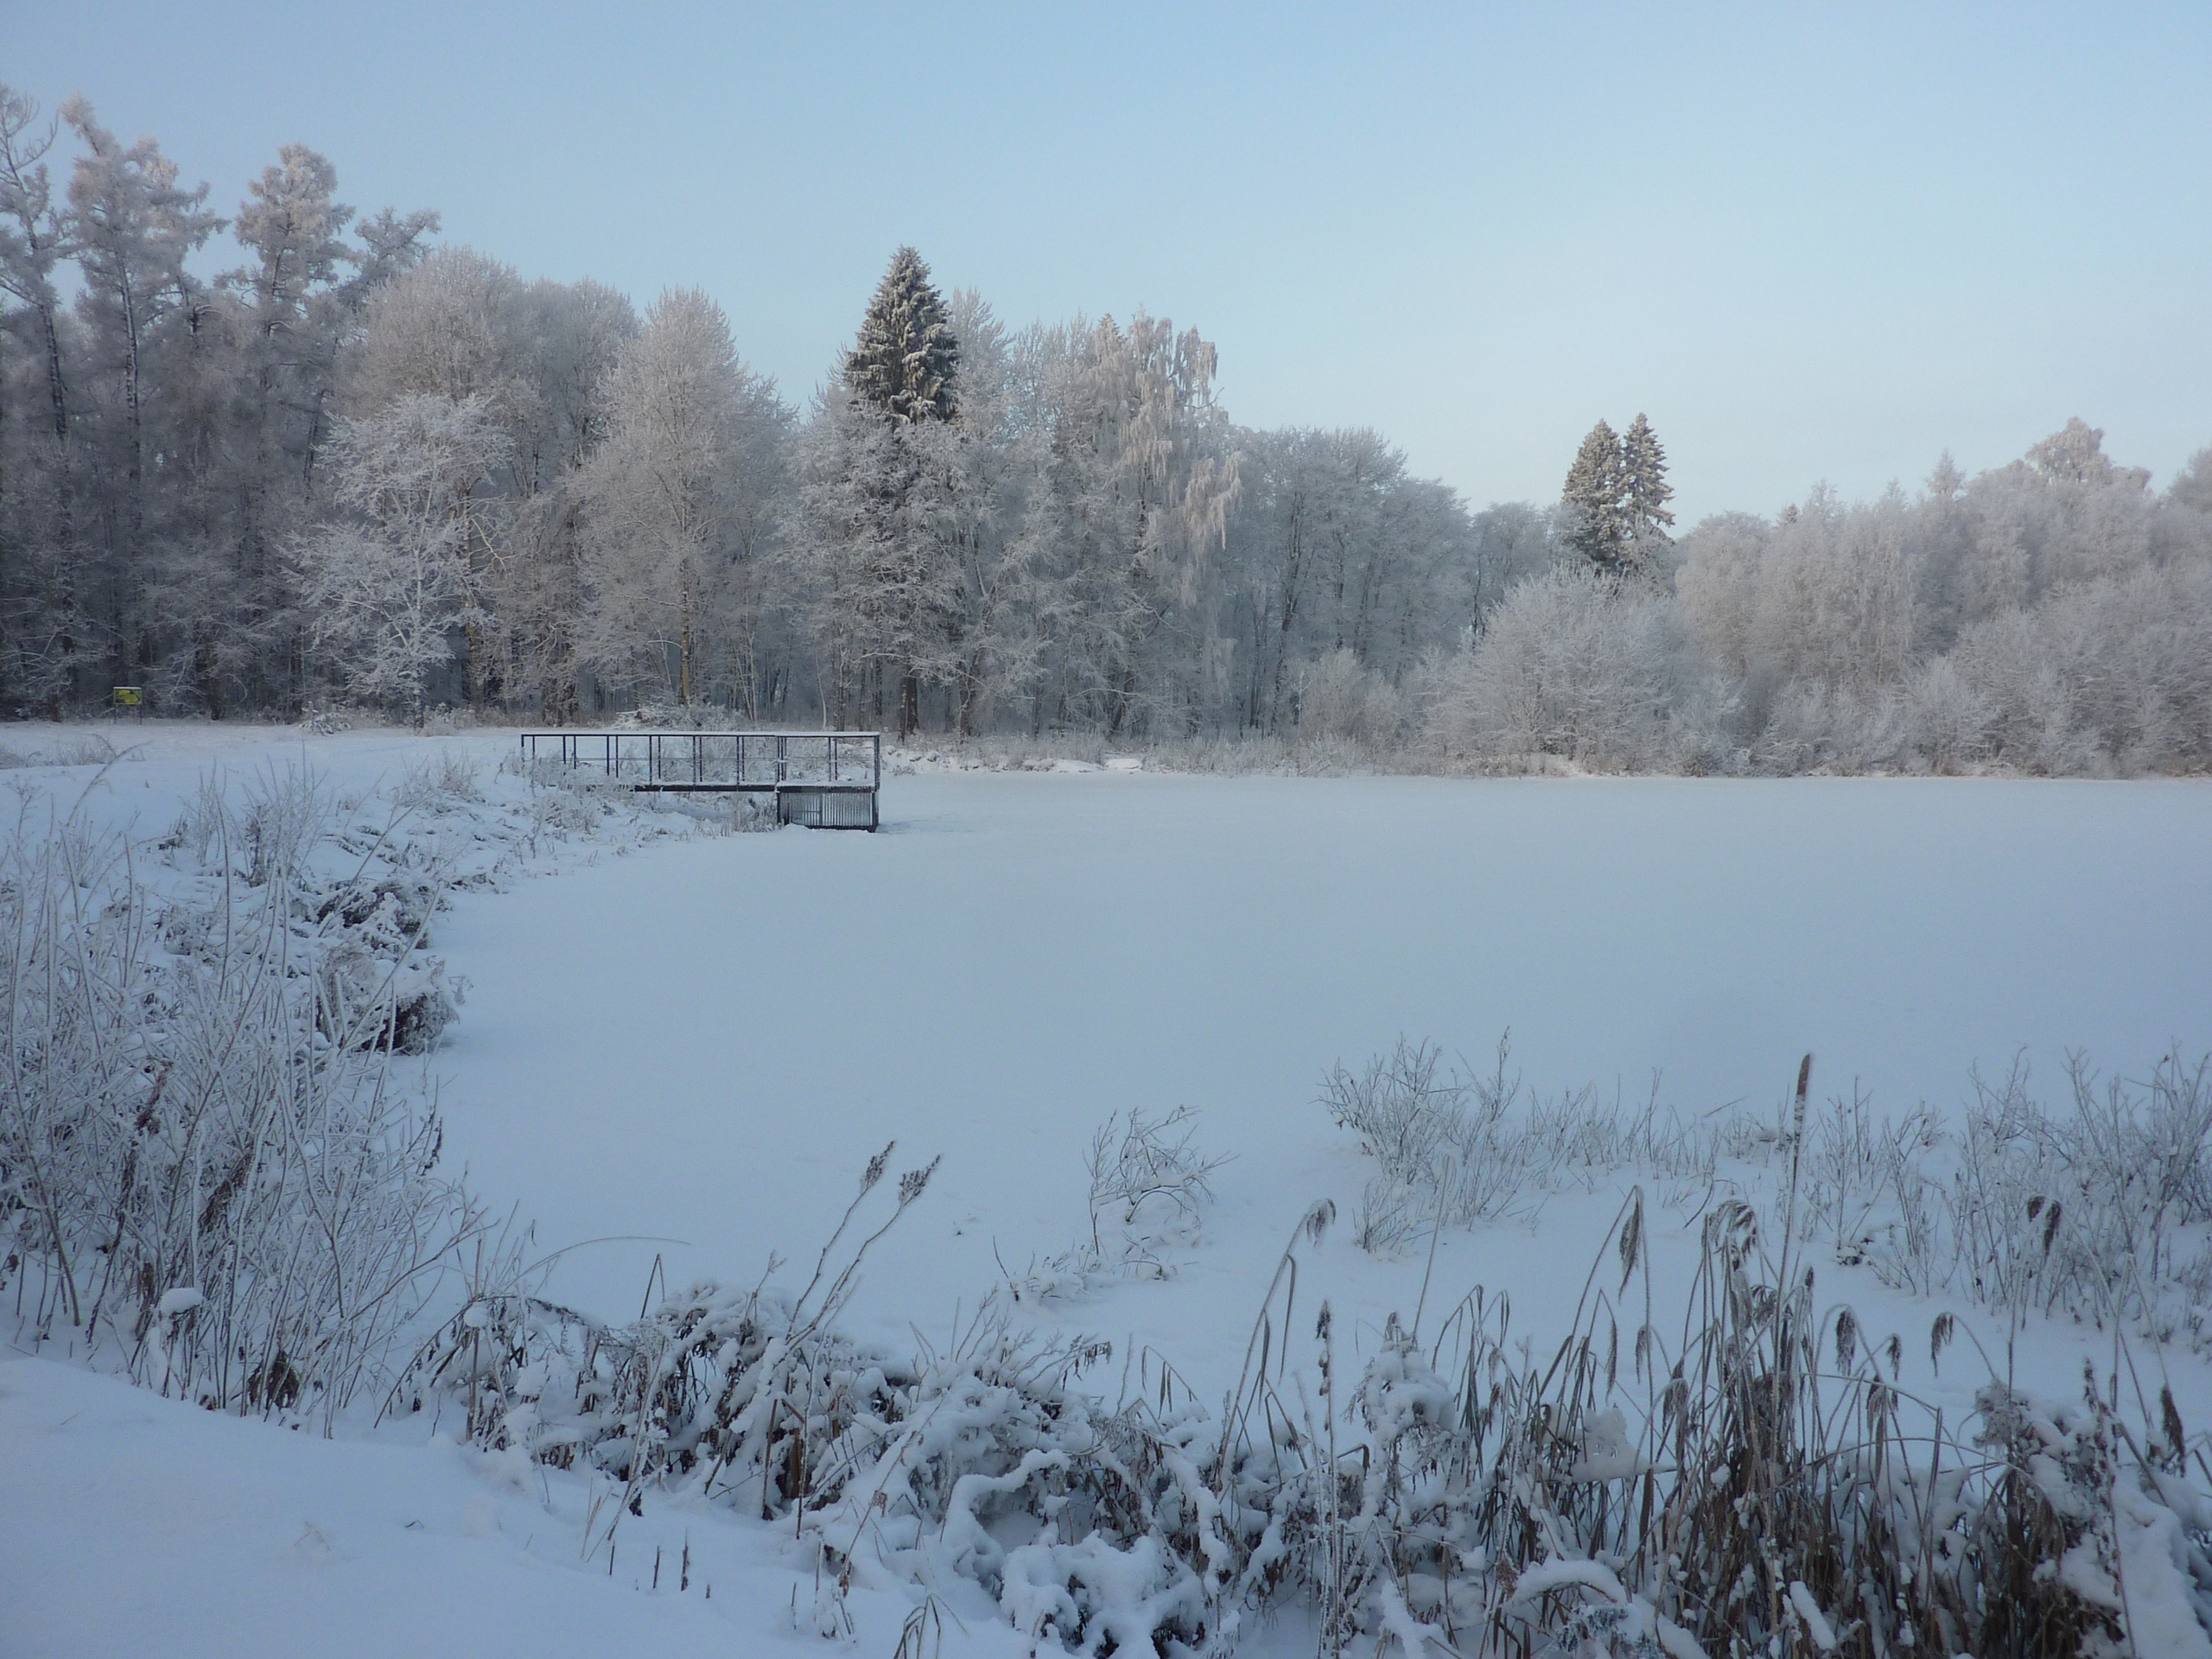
column 1613, row 508
column 1645, row 493
column 1592, row 504
column 867, row 537
column 905, row 358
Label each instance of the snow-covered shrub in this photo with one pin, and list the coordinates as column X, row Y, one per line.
column 87, row 749
column 1814, row 726
column 1571, row 664
column 1150, row 1190
column 561, row 805
column 206, row 1169
column 2094, row 1212
column 1147, row 1179
column 1457, row 1148
column 446, row 777
column 324, row 720
column 1341, row 699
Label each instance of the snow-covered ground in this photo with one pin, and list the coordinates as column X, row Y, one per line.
column 686, row 1048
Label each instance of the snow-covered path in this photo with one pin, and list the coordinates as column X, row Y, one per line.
column 704, row 1042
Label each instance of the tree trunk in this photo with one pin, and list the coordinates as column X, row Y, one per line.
column 683, row 638
column 910, row 704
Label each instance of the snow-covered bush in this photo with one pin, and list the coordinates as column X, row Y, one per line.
column 1456, row 1148
column 1946, row 717
column 1814, row 726
column 445, row 777
column 1151, row 1187
column 87, row 749
column 1147, row 1181
column 207, row 1166
column 1571, row 664
column 2094, row 1212
column 1342, row 700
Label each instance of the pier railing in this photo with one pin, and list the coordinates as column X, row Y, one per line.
column 829, row 779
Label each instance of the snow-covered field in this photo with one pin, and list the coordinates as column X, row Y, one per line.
column 683, row 1050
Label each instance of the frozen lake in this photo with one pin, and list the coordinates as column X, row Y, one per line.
column 704, row 1041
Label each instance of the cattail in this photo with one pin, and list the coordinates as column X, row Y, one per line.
column 1631, row 1237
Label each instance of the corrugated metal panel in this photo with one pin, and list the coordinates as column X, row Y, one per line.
column 830, row 809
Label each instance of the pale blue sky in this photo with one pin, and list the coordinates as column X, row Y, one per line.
column 1809, row 242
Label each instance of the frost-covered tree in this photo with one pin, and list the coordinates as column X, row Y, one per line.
column 179, row 416
column 1645, row 493
column 571, row 334
column 1333, row 547
column 391, row 586
column 678, row 500
column 868, row 541
column 1509, row 540
column 1613, row 507
column 267, row 362
column 131, row 228
column 905, row 357
column 1136, row 473
column 40, row 633
column 1576, row 664
column 1593, row 509
column 981, row 648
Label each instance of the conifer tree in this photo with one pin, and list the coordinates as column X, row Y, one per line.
column 875, row 511
column 1594, row 497
column 1615, row 498
column 1645, row 491
column 904, row 359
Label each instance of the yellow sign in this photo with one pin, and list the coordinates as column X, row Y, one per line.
column 127, row 696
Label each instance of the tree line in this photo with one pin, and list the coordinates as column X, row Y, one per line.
column 362, row 467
